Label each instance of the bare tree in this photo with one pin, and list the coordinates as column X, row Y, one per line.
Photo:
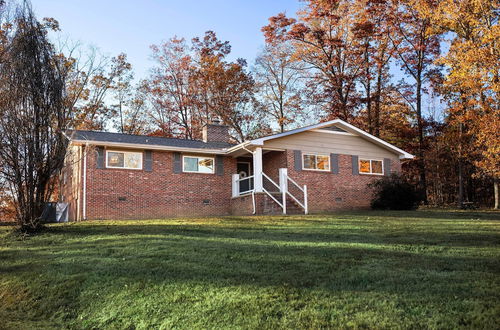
column 98, row 87
column 135, row 115
column 32, row 115
column 278, row 76
column 122, row 88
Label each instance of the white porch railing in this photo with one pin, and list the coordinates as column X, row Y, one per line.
column 237, row 185
column 283, row 203
column 236, row 180
column 284, row 180
column 282, row 187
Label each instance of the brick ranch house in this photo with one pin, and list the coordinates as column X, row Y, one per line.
column 318, row 168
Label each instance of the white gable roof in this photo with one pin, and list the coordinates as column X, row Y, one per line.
column 339, row 123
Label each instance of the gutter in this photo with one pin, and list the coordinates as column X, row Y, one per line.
column 239, row 146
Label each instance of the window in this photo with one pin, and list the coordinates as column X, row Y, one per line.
column 193, row 164
column 124, row 159
column 371, row 166
column 316, row 162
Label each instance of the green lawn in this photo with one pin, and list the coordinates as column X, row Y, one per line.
column 422, row 269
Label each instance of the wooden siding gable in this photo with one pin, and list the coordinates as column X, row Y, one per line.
column 326, row 143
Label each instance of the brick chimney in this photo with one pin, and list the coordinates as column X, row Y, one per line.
column 216, row 132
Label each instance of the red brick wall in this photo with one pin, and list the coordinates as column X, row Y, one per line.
column 327, row 192
column 272, row 162
column 163, row 193
column 216, row 133
column 331, row 192
column 242, row 205
column 157, row 194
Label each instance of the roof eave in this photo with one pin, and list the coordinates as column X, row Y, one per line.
column 149, row 147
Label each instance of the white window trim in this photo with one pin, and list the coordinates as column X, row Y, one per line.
column 370, row 160
column 124, row 167
column 316, row 169
column 188, row 156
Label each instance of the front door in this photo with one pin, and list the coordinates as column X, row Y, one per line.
column 244, row 170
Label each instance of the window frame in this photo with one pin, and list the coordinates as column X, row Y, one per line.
column 371, row 171
column 315, row 162
column 198, row 157
column 125, row 167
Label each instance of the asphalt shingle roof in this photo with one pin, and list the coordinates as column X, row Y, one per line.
column 95, row 136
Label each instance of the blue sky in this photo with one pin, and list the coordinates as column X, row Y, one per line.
column 132, row 26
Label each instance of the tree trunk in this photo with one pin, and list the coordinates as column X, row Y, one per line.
column 282, row 114
column 368, row 89
column 496, row 184
column 460, row 182
column 460, row 169
column 378, row 100
column 421, row 162
column 121, row 118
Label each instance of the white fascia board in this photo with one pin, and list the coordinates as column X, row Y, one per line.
column 151, row 147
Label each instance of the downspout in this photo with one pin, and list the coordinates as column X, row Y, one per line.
column 84, row 200
column 253, row 202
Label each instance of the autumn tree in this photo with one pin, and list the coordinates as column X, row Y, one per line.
column 121, row 89
column 7, row 207
column 229, row 95
column 173, row 110
column 324, row 38
column 91, row 80
column 193, row 84
column 372, row 28
column 279, row 80
column 471, row 86
column 135, row 119
column 33, row 115
column 416, row 48
column 225, row 89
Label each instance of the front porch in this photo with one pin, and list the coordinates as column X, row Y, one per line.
column 263, row 186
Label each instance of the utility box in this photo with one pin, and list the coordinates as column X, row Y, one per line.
column 55, row 212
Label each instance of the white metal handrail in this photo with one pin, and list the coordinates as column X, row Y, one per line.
column 236, row 189
column 295, row 183
column 304, row 191
column 284, row 179
column 296, row 200
column 282, row 188
column 274, row 199
column 245, row 178
column 271, row 180
column 283, row 204
column 249, row 184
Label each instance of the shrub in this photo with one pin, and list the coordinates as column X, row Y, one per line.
column 393, row 193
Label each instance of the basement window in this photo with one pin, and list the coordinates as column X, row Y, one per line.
column 316, row 162
column 194, row 164
column 371, row 166
column 124, row 159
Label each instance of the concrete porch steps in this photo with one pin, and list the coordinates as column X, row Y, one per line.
column 270, row 207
